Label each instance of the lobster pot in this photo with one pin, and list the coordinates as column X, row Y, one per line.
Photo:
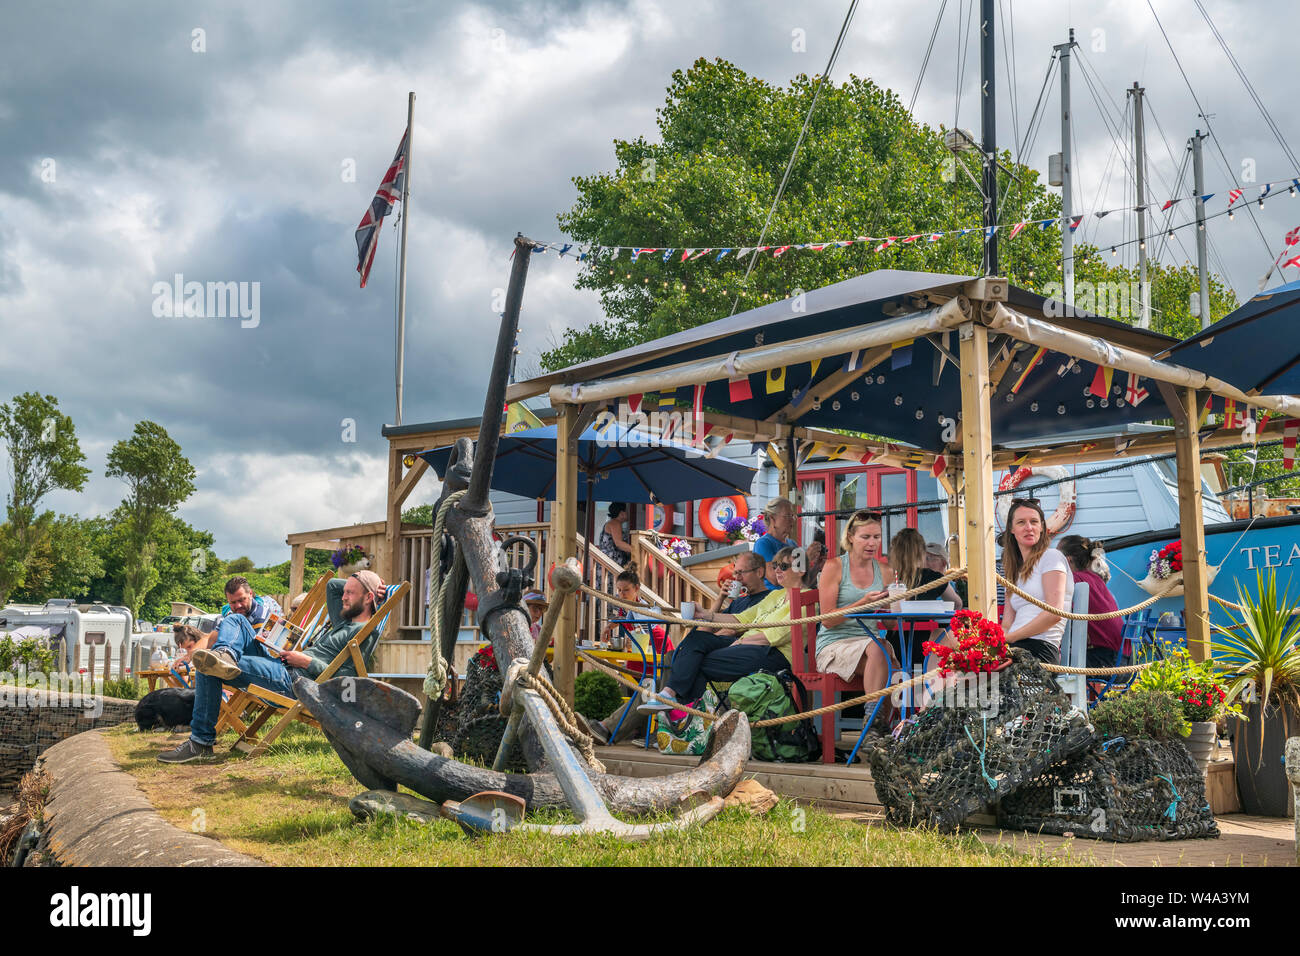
column 1125, row 791
column 952, row 761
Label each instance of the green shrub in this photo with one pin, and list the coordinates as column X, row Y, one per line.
column 28, row 653
column 595, row 695
column 124, row 688
column 1140, row 713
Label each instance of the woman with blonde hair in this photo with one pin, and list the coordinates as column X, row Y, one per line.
column 1038, row 570
column 855, row 577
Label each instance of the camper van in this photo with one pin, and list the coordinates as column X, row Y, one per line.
column 73, row 629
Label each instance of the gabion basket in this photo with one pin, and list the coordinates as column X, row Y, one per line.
column 1120, row 790
column 952, row 761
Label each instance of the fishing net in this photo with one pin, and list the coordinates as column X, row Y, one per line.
column 980, row 739
column 1120, row 790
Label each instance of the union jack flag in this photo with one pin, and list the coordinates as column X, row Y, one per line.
column 389, row 192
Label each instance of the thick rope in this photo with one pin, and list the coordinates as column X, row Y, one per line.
column 1095, row 671
column 1106, row 616
column 435, row 680
column 564, row 717
column 814, row 619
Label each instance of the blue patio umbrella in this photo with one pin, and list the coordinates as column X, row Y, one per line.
column 614, row 464
column 1254, row 347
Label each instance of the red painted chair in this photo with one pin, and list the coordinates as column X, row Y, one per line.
column 803, row 656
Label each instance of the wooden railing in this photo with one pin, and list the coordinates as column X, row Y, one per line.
column 661, row 573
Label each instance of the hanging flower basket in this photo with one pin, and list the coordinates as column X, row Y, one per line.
column 349, row 560
column 1165, row 563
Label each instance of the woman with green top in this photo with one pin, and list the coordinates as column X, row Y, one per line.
column 853, row 578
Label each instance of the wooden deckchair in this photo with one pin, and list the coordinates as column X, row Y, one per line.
column 359, row 649
column 310, row 615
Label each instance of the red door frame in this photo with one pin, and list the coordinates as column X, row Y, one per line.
column 873, row 473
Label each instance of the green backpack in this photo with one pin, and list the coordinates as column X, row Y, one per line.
column 763, row 696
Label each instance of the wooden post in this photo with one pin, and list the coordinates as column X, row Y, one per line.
column 564, row 539
column 1187, row 449
column 977, row 462
column 950, row 481
column 297, row 568
column 386, row 566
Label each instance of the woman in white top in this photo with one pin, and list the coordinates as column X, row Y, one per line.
column 1038, row 570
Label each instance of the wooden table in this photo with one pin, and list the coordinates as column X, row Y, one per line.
column 169, row 677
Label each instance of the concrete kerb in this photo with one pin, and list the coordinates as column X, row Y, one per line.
column 97, row 816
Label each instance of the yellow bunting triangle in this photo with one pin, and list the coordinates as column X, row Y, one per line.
column 776, row 380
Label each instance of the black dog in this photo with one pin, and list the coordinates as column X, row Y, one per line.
column 168, row 708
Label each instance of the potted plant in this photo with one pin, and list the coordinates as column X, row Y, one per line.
column 981, row 646
column 1259, row 654
column 744, row 529
column 1199, row 692
column 1166, row 563
column 349, row 559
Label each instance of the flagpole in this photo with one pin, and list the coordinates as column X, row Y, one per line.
column 401, row 269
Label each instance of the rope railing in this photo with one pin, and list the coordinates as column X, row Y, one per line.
column 1104, row 616
column 814, row 619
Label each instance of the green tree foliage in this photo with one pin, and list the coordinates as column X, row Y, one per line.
column 420, row 514
column 44, row 454
column 866, row 167
column 158, row 478
column 240, row 565
column 62, row 564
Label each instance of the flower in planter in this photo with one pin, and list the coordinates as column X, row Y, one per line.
column 981, row 645
column 347, row 555
column 486, row 658
column 678, row 548
column 744, row 529
column 1166, row 561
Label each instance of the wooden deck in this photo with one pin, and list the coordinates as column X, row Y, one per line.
column 848, row 791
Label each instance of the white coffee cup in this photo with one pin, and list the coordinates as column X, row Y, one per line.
column 688, row 610
column 735, row 590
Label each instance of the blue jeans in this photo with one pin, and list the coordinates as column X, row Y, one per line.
column 235, row 635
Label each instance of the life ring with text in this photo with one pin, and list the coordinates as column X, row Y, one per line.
column 716, row 512
column 1059, row 519
column 664, row 524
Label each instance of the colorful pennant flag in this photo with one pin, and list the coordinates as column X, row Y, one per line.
column 1233, row 196
column 1016, row 229
column 667, row 397
column 1101, row 382
column 775, row 456
column 697, row 413
column 739, row 390
column 776, row 380
column 1135, row 394
column 519, row 418
column 634, row 402
column 816, row 364
column 1038, row 357
column 854, row 361
column 940, row 465
column 1289, row 432
column 866, row 458
column 1205, row 412
column 1074, row 223
column 901, row 355
column 1121, row 445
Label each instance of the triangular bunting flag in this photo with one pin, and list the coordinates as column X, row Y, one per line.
column 1101, row 382
column 775, row 456
column 1135, row 394
column 1038, row 357
column 1074, row 223
column 1205, row 412
column 776, row 380
column 816, row 364
column 1016, row 229
column 940, row 465
column 1289, row 432
column 738, row 389
column 634, row 402
column 667, row 397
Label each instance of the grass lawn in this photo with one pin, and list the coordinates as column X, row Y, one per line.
column 290, row 807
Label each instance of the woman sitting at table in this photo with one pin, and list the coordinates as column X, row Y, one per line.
column 1038, row 570
column 728, row 655
column 907, row 557
column 1087, row 562
column 856, row 577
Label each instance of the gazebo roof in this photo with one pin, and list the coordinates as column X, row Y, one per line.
column 904, row 396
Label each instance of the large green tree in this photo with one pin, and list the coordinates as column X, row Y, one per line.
column 866, row 168
column 62, row 563
column 44, row 454
column 158, row 479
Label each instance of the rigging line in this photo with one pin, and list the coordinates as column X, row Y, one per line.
column 963, row 44
column 1169, row 213
column 1209, row 127
column 1277, row 132
column 830, row 65
column 1031, row 131
column 1092, row 224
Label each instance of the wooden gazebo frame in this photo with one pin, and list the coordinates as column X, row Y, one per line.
column 978, row 310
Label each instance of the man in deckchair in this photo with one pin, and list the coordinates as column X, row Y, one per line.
column 240, row 599
column 237, row 658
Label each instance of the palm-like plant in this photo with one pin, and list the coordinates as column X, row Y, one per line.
column 1261, row 648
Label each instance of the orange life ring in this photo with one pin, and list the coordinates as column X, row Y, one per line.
column 1059, row 519
column 665, row 524
column 716, row 512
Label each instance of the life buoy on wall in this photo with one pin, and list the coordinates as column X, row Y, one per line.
column 716, row 512
column 665, row 523
column 1059, row 519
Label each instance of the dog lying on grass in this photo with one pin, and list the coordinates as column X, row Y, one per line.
column 169, row 708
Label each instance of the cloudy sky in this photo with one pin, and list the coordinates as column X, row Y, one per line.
column 141, row 140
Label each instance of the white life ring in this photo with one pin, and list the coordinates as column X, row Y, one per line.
column 1059, row 519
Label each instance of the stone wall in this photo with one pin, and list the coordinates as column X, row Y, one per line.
column 32, row 721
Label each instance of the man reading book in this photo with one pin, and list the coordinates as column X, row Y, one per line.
column 237, row 658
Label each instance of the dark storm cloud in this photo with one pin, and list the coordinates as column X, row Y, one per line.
column 226, row 166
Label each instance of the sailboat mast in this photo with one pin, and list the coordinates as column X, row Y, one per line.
column 1139, row 147
column 1067, row 208
column 989, row 137
column 401, row 269
column 1202, row 257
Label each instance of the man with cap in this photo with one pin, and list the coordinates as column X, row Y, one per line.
column 238, row 659
column 936, row 559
